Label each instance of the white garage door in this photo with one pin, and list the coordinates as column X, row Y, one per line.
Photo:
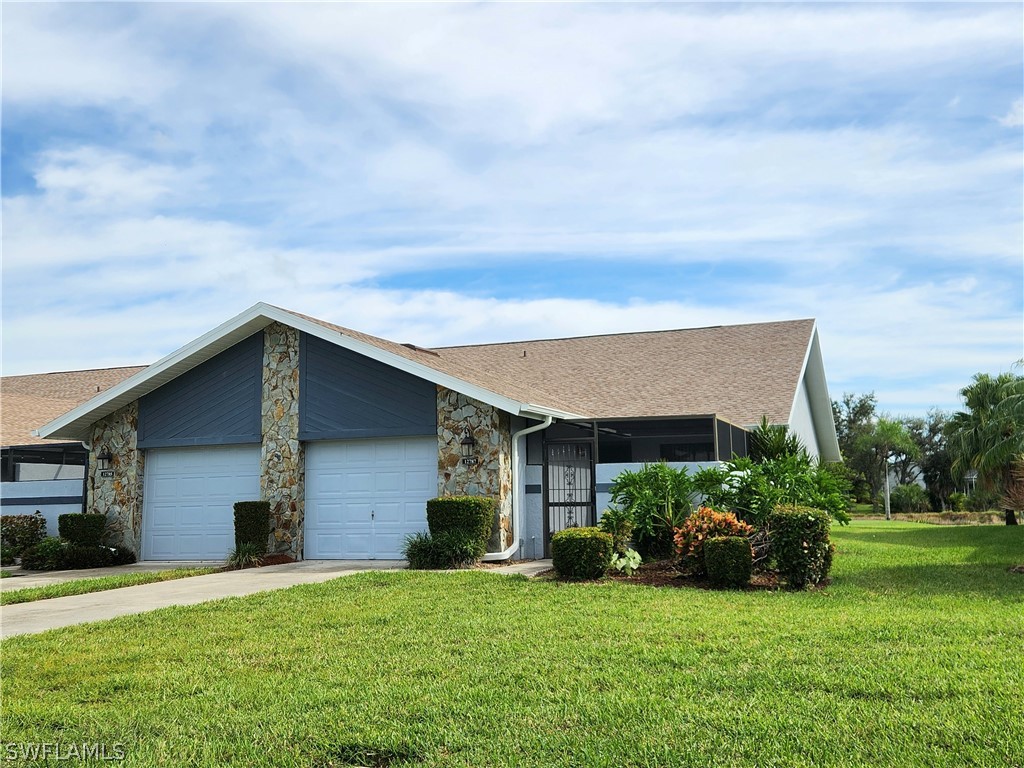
column 363, row 497
column 189, row 499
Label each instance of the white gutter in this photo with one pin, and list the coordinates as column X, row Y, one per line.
column 516, row 529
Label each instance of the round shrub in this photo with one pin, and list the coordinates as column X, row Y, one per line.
column 19, row 532
column 800, row 544
column 47, row 555
column 122, row 556
column 729, row 561
column 471, row 514
column 581, row 553
column 704, row 524
column 81, row 529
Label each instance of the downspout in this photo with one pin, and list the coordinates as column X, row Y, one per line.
column 87, row 444
column 516, row 529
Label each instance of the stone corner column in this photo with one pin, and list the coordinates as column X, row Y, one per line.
column 118, row 497
column 282, row 456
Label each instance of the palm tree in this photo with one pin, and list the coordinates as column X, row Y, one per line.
column 989, row 435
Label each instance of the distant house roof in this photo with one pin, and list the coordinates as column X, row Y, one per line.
column 737, row 372
column 28, row 402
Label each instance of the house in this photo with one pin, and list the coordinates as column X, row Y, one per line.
column 347, row 435
column 40, row 474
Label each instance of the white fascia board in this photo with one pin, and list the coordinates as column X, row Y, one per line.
column 74, row 423
column 812, row 373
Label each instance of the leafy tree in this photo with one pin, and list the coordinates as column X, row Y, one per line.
column 988, row 435
column 888, row 438
column 854, row 416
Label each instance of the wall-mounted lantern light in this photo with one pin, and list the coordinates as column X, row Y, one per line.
column 103, row 459
column 468, row 447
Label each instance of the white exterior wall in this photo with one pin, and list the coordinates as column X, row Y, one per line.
column 801, row 422
column 42, row 489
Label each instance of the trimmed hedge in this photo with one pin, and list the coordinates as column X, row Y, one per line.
column 705, row 523
column 729, row 561
column 47, row 555
column 581, row 553
column 18, row 533
column 473, row 514
column 84, row 530
column 800, row 544
column 55, row 554
column 252, row 526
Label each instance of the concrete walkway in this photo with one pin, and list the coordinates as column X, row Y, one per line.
column 20, row 579
column 41, row 615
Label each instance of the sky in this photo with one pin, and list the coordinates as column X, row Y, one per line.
column 459, row 173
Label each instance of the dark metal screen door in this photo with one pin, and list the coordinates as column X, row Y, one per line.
column 569, row 487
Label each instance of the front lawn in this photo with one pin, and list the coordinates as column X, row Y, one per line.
column 16, row 595
column 913, row 656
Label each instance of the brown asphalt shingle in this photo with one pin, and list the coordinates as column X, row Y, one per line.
column 29, row 402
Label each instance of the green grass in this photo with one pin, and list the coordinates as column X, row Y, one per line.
column 913, row 657
column 5, row 574
column 98, row 584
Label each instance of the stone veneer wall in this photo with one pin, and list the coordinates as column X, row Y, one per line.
column 492, row 475
column 118, row 497
column 282, row 456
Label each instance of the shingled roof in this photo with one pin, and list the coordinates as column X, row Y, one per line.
column 737, row 372
column 28, row 402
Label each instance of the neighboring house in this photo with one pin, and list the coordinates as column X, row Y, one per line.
column 347, row 435
column 37, row 474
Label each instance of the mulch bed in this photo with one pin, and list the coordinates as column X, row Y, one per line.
column 663, row 573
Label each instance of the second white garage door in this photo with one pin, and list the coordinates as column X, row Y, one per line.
column 363, row 497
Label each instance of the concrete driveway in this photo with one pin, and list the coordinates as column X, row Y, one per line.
column 41, row 615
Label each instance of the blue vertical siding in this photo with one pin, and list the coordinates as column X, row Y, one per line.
column 216, row 403
column 343, row 394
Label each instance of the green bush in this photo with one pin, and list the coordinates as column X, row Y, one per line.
column 246, row 555
column 447, row 549
column 704, row 524
column 729, row 561
column 47, row 555
column 981, row 500
column 909, row 498
column 18, row 533
column 957, row 501
column 473, row 515
column 7, row 556
column 581, row 553
column 800, row 545
column 252, row 526
column 82, row 556
column 122, row 556
column 658, row 498
column 84, row 530
column 619, row 523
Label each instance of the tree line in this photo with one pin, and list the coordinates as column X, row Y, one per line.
column 978, row 448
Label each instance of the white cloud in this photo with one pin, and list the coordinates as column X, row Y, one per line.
column 1015, row 117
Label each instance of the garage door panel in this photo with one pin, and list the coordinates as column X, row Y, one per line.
column 189, row 497
column 382, row 487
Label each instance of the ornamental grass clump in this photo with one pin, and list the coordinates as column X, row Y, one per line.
column 704, row 524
